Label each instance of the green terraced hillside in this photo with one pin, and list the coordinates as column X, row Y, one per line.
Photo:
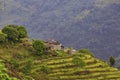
column 40, row 60
column 65, row 69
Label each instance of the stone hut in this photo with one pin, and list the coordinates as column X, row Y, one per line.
column 53, row 45
column 70, row 51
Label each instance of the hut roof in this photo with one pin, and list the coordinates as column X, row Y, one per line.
column 52, row 42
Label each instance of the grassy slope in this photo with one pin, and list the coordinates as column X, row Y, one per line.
column 16, row 54
column 62, row 68
column 95, row 69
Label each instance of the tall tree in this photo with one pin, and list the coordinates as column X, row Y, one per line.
column 112, row 61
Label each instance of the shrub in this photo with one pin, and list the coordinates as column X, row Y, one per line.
column 78, row 61
column 112, row 61
column 39, row 46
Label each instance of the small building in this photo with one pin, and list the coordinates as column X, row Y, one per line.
column 70, row 51
column 53, row 45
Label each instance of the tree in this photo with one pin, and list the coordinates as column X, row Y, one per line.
column 22, row 32
column 112, row 61
column 12, row 33
column 39, row 46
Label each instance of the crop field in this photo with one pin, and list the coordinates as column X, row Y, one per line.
column 64, row 69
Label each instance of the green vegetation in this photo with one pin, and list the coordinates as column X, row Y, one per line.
column 20, row 60
column 3, row 73
column 22, row 32
column 28, row 67
column 60, row 53
column 39, row 46
column 3, row 37
column 78, row 61
column 14, row 32
column 65, row 69
column 85, row 51
column 112, row 61
column 44, row 68
column 11, row 32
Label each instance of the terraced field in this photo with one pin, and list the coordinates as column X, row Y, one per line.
column 64, row 69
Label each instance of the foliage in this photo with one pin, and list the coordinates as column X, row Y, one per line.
column 85, row 51
column 22, row 32
column 3, row 37
column 11, row 32
column 3, row 73
column 21, row 59
column 39, row 46
column 14, row 63
column 44, row 68
column 112, row 61
column 60, row 53
column 80, row 55
column 28, row 67
column 14, row 32
column 78, row 61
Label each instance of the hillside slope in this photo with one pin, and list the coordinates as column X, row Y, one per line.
column 64, row 69
column 93, row 24
column 25, row 65
column 48, row 60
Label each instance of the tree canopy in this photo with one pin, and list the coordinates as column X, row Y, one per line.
column 11, row 32
column 22, row 31
column 14, row 32
column 39, row 46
